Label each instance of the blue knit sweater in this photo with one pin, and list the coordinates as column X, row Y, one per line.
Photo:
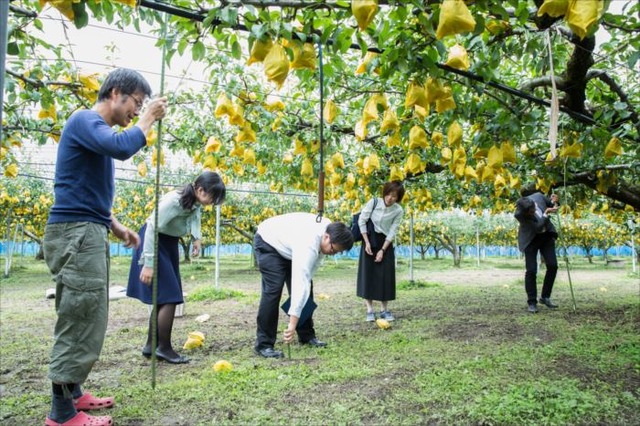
column 84, row 182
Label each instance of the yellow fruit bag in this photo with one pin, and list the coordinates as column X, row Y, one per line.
column 417, row 138
column 249, row 157
column 445, row 103
column 494, row 159
column 362, row 67
column 455, row 18
column 458, row 58
column 260, row 50
column 307, row 168
column 436, row 138
column 582, row 15
column 613, row 149
column 394, row 139
column 246, row 134
column 416, row 95
column 276, row 65
column 508, row 153
column 364, row 11
column 304, row 56
column 454, row 134
column 389, row 121
column 554, row 8
column 396, row 173
column 573, row 151
column 223, row 106
column 330, row 111
column 413, row 164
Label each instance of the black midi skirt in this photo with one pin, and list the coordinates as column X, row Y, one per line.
column 377, row 281
column 169, row 281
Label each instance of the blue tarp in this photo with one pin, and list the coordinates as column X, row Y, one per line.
column 31, row 249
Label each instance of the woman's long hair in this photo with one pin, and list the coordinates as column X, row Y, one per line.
column 211, row 183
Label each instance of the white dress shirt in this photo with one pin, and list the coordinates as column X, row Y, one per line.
column 297, row 237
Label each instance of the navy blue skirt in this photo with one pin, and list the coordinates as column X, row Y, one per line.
column 169, row 282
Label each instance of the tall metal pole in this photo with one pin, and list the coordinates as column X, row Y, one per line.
column 4, row 30
column 411, row 245
column 217, row 275
column 321, row 165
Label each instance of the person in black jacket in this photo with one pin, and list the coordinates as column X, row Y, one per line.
column 538, row 234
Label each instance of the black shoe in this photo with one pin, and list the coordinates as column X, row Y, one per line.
column 533, row 308
column 178, row 359
column 269, row 353
column 146, row 352
column 315, row 343
column 547, row 301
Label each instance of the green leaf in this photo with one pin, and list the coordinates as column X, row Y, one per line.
column 236, row 49
column 80, row 18
column 12, row 48
column 197, row 51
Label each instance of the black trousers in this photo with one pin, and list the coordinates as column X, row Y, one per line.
column 276, row 272
column 544, row 243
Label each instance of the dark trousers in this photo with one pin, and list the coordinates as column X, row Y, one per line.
column 276, row 272
column 544, row 243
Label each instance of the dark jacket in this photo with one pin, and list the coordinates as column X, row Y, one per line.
column 531, row 225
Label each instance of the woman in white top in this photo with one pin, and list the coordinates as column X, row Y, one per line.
column 376, row 267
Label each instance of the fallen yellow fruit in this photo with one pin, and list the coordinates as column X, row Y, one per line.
column 222, row 366
column 194, row 340
column 383, row 323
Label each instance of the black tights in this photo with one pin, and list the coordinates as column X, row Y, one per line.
column 166, row 314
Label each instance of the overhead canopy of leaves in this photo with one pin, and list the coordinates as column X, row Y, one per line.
column 499, row 96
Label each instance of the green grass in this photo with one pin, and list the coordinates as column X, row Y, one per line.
column 463, row 351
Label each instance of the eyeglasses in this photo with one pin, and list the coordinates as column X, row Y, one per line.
column 139, row 103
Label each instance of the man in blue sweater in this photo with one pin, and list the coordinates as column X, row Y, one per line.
column 76, row 244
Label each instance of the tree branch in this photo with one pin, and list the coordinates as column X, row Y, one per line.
column 615, row 88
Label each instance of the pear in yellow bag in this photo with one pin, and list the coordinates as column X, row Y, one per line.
column 304, row 56
column 364, row 11
column 454, row 134
column 436, row 139
column 362, row 67
column 446, row 102
column 389, row 121
column 276, row 65
column 455, row 18
column 249, row 157
column 246, row 134
column 416, row 95
column 508, row 153
column 494, row 159
column 458, row 58
column 223, row 106
column 417, row 138
column 307, row 168
column 260, row 50
column 413, row 164
column 394, row 139
column 554, row 8
column 613, row 149
column 370, row 112
column 582, row 15
column 330, row 111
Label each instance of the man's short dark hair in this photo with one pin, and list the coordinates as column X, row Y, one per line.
column 127, row 82
column 340, row 235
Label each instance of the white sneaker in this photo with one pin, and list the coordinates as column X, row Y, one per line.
column 371, row 316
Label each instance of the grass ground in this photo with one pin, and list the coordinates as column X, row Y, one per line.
column 463, row 350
